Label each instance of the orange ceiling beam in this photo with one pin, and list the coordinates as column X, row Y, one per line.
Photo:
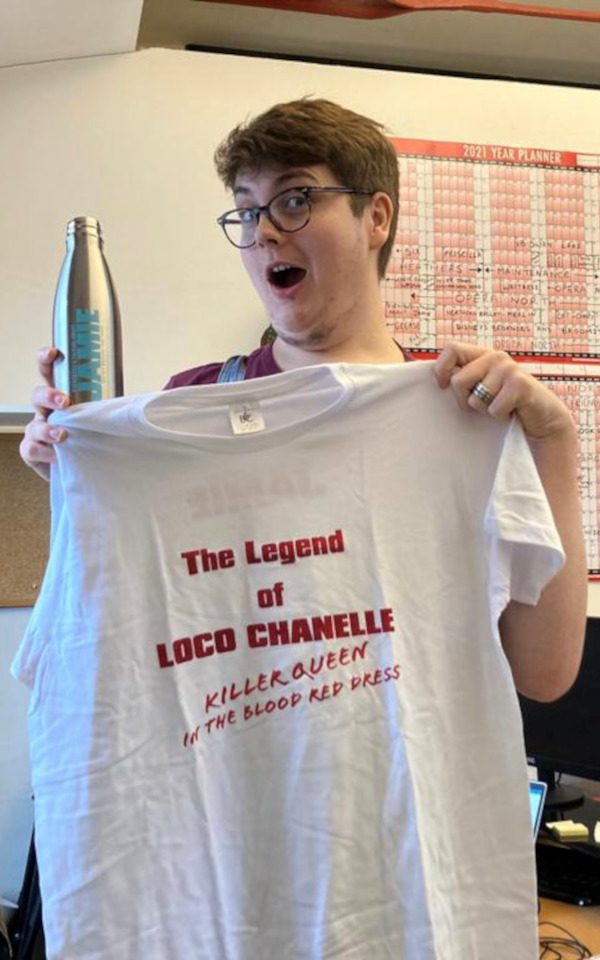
column 498, row 6
column 364, row 9
column 377, row 9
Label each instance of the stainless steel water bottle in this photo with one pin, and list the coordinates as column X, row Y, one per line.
column 86, row 321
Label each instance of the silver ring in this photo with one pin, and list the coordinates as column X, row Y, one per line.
column 482, row 393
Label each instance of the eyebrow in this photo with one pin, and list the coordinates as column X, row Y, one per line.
column 294, row 174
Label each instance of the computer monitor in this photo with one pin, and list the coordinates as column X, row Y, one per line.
column 564, row 736
column 537, row 795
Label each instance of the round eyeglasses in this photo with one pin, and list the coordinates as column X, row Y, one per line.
column 288, row 211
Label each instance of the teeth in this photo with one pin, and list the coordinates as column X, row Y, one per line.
column 280, row 267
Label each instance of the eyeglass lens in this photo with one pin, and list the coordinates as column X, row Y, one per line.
column 289, row 211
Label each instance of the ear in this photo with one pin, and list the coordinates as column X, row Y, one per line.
column 381, row 213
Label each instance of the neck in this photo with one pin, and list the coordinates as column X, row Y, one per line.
column 369, row 342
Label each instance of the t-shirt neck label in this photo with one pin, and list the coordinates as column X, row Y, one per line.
column 246, row 417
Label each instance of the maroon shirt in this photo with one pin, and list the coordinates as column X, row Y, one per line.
column 260, row 363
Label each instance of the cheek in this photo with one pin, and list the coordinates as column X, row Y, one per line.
column 338, row 261
column 251, row 268
column 341, row 247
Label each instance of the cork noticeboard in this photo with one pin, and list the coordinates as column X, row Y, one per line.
column 24, row 526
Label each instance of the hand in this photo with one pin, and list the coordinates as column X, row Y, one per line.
column 462, row 365
column 37, row 446
column 543, row 643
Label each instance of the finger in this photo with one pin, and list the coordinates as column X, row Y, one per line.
column 452, row 358
column 39, row 431
column 46, row 357
column 46, row 399
column 33, row 453
column 481, row 398
column 511, row 394
column 42, row 469
column 463, row 379
column 491, row 369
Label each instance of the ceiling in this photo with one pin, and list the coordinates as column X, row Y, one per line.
column 456, row 41
column 35, row 30
column 483, row 44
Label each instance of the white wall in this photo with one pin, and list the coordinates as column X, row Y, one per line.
column 129, row 139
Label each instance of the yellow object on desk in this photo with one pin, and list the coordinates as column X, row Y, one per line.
column 568, row 830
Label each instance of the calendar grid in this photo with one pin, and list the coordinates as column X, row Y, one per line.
column 500, row 246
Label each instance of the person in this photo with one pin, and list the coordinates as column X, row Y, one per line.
column 319, row 281
column 316, row 819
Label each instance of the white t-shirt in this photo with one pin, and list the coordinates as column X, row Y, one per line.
column 271, row 718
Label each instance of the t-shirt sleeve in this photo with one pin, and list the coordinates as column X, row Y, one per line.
column 524, row 547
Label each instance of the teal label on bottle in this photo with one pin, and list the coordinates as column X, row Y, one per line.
column 86, row 354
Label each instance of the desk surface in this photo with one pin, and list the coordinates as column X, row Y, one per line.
column 581, row 922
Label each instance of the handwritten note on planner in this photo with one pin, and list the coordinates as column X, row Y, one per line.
column 500, row 245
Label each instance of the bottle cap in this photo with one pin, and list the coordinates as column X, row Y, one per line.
column 84, row 225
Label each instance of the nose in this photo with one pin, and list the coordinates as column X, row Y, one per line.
column 266, row 231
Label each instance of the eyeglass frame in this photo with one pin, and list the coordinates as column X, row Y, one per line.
column 264, row 208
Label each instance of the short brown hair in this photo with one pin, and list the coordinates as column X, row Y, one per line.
column 312, row 131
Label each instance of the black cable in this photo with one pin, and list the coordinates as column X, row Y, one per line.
column 561, row 948
column 548, row 953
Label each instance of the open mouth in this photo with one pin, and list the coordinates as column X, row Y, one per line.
column 285, row 275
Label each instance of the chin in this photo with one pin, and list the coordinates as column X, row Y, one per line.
column 314, row 335
column 303, row 338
